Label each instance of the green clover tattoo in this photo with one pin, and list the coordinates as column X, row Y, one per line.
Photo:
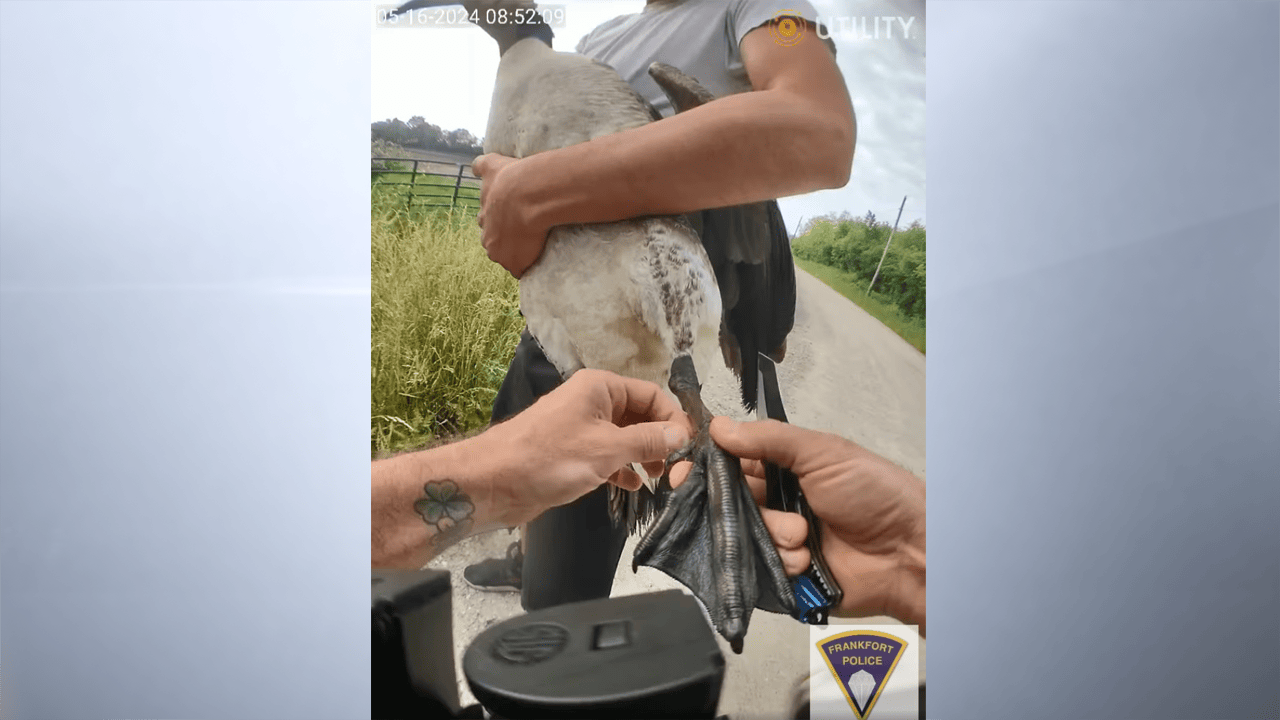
column 444, row 505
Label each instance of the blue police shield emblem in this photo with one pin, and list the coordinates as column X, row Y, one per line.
column 862, row 662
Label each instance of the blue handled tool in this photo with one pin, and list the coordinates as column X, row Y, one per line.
column 816, row 590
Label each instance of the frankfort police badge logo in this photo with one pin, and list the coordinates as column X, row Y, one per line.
column 862, row 662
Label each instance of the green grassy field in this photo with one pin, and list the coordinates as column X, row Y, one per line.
column 910, row 329
column 431, row 190
column 445, row 323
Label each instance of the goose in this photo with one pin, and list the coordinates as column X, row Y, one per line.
column 654, row 298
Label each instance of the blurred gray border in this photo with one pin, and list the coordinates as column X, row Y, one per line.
column 183, row 364
column 1104, row 360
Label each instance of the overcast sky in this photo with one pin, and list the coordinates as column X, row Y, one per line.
column 446, row 75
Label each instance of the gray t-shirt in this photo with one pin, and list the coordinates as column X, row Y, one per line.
column 699, row 37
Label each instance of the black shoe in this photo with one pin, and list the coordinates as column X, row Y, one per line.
column 497, row 574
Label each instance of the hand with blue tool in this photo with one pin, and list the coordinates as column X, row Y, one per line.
column 872, row 513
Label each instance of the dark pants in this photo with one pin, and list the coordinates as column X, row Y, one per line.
column 570, row 552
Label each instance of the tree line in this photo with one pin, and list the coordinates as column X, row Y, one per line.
column 418, row 133
column 855, row 246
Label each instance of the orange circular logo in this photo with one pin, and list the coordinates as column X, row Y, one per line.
column 786, row 28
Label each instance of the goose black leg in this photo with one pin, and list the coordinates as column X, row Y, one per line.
column 709, row 534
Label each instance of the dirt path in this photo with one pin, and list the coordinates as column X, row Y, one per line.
column 844, row 373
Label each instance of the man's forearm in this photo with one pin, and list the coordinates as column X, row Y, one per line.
column 425, row 501
column 739, row 149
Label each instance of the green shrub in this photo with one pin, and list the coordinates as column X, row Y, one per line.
column 855, row 247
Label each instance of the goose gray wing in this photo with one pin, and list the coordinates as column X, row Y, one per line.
column 750, row 251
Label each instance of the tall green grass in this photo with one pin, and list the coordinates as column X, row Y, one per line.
column 445, row 323
column 849, row 285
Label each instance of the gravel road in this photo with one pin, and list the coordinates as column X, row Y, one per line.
column 844, row 373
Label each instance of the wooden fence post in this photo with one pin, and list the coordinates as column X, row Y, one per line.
column 886, row 245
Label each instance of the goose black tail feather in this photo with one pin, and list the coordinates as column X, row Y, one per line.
column 750, row 251
column 632, row 510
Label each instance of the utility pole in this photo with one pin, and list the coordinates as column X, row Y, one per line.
column 886, row 245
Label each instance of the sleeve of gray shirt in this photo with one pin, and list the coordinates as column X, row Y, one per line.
column 747, row 15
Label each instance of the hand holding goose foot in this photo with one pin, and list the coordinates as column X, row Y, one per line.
column 709, row 534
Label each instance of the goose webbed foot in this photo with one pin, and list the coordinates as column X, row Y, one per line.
column 709, row 534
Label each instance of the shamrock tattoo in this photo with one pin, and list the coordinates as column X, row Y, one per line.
column 445, row 507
